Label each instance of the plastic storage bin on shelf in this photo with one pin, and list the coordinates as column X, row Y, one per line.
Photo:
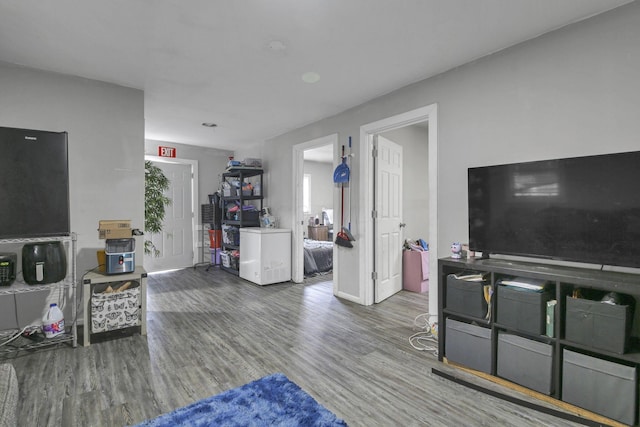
column 230, row 235
column 225, row 258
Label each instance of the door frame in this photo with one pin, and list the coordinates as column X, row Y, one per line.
column 195, row 214
column 429, row 114
column 297, row 225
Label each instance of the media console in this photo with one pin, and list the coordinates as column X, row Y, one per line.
column 579, row 351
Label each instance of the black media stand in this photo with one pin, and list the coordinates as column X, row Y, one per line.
column 577, row 350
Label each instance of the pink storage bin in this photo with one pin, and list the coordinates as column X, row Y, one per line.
column 415, row 271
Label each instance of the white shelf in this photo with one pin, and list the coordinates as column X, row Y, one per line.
column 20, row 287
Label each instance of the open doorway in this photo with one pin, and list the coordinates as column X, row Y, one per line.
column 428, row 117
column 314, row 198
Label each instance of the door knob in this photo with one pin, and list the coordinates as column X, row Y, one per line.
column 402, row 224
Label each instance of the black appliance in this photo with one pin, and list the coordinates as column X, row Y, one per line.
column 44, row 262
column 34, row 174
column 7, row 268
column 584, row 209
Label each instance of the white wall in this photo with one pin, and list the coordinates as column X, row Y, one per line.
column 415, row 178
column 105, row 123
column 567, row 93
column 322, row 187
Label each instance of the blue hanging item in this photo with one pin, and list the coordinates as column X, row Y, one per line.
column 341, row 174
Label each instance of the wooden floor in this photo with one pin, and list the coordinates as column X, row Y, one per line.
column 211, row 331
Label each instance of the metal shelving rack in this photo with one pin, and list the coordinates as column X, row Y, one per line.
column 241, row 174
column 69, row 283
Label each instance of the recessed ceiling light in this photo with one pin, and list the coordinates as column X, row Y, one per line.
column 209, row 124
column 310, row 77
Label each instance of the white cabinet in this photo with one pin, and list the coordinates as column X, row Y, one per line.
column 265, row 257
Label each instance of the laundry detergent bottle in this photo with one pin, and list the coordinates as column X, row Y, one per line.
column 53, row 322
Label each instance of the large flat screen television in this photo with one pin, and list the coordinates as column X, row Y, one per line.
column 583, row 209
column 34, row 183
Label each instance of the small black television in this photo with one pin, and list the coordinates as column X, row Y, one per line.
column 581, row 209
column 34, row 183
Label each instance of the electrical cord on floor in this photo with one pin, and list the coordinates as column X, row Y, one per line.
column 428, row 335
column 16, row 336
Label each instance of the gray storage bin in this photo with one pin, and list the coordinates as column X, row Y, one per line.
column 598, row 325
column 465, row 297
column 525, row 362
column 468, row 345
column 600, row 386
column 522, row 310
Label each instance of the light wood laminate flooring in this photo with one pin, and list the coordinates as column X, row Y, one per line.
column 209, row 331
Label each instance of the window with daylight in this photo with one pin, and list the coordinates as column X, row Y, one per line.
column 306, row 193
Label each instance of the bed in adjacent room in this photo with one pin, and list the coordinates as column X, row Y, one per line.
column 318, row 257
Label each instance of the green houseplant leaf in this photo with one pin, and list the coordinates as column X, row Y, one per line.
column 155, row 202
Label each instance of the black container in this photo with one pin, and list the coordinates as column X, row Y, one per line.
column 468, row 345
column 595, row 324
column 525, row 362
column 466, row 297
column 523, row 310
column 44, row 262
column 7, row 268
column 600, row 386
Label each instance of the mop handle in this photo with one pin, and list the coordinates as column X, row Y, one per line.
column 342, row 202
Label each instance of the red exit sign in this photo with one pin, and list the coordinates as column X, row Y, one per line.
column 166, row 151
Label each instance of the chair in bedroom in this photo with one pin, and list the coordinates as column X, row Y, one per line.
column 327, row 219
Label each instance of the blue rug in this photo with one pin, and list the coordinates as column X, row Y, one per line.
column 269, row 401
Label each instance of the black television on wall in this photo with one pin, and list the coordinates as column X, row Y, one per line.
column 582, row 209
column 34, row 183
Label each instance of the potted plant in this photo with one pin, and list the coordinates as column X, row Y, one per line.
column 155, row 202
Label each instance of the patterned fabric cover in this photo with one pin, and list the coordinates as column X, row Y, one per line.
column 8, row 395
column 117, row 310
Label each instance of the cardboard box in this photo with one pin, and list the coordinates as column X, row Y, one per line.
column 114, row 229
column 525, row 362
column 468, row 345
column 601, row 386
column 598, row 325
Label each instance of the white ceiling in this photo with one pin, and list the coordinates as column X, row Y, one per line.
column 219, row 61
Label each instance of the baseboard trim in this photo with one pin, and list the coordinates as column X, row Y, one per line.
column 526, row 404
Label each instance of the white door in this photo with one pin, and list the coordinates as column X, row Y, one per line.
column 388, row 220
column 175, row 242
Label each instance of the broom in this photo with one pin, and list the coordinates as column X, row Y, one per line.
column 341, row 175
